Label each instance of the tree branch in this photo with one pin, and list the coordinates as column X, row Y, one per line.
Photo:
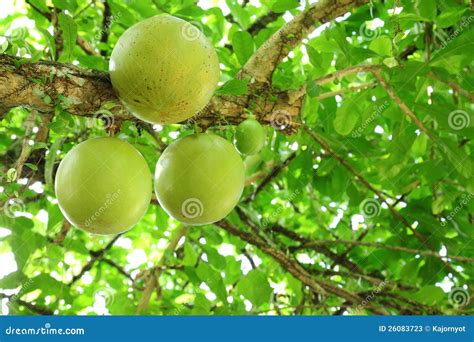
column 319, row 243
column 95, row 256
column 32, row 307
column 83, row 93
column 26, row 148
column 117, row 267
column 153, row 274
column 321, row 249
column 262, row 22
column 66, row 227
column 456, row 87
column 265, row 60
column 317, row 285
column 83, row 44
column 274, row 173
column 423, row 240
column 105, row 26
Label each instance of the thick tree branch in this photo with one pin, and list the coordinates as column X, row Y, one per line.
column 83, row 93
column 262, row 64
column 80, row 92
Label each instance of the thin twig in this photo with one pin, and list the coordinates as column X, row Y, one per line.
column 153, row 274
column 318, row 243
column 95, row 256
column 274, row 173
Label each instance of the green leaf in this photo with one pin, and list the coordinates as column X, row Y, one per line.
column 69, row 32
column 312, row 89
column 281, row 6
column 161, row 218
column 382, row 46
column 430, row 295
column 50, row 41
column 243, row 45
column 214, row 258
column 214, row 280
column 190, row 255
column 233, row 87
column 419, row 145
column 449, row 17
column 346, row 117
column 40, row 4
column 391, row 62
column 32, row 166
column 255, row 287
column 426, row 9
column 70, row 5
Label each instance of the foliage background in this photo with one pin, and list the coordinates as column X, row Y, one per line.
column 339, row 200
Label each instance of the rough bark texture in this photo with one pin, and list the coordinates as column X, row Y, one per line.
column 42, row 85
column 83, row 92
column 264, row 61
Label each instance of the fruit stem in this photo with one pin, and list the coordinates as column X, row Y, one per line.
column 197, row 129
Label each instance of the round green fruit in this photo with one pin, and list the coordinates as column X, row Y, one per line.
column 249, row 137
column 164, row 69
column 252, row 164
column 103, row 186
column 199, row 179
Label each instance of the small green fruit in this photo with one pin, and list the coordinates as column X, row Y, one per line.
column 164, row 69
column 199, row 179
column 103, row 186
column 252, row 164
column 249, row 137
